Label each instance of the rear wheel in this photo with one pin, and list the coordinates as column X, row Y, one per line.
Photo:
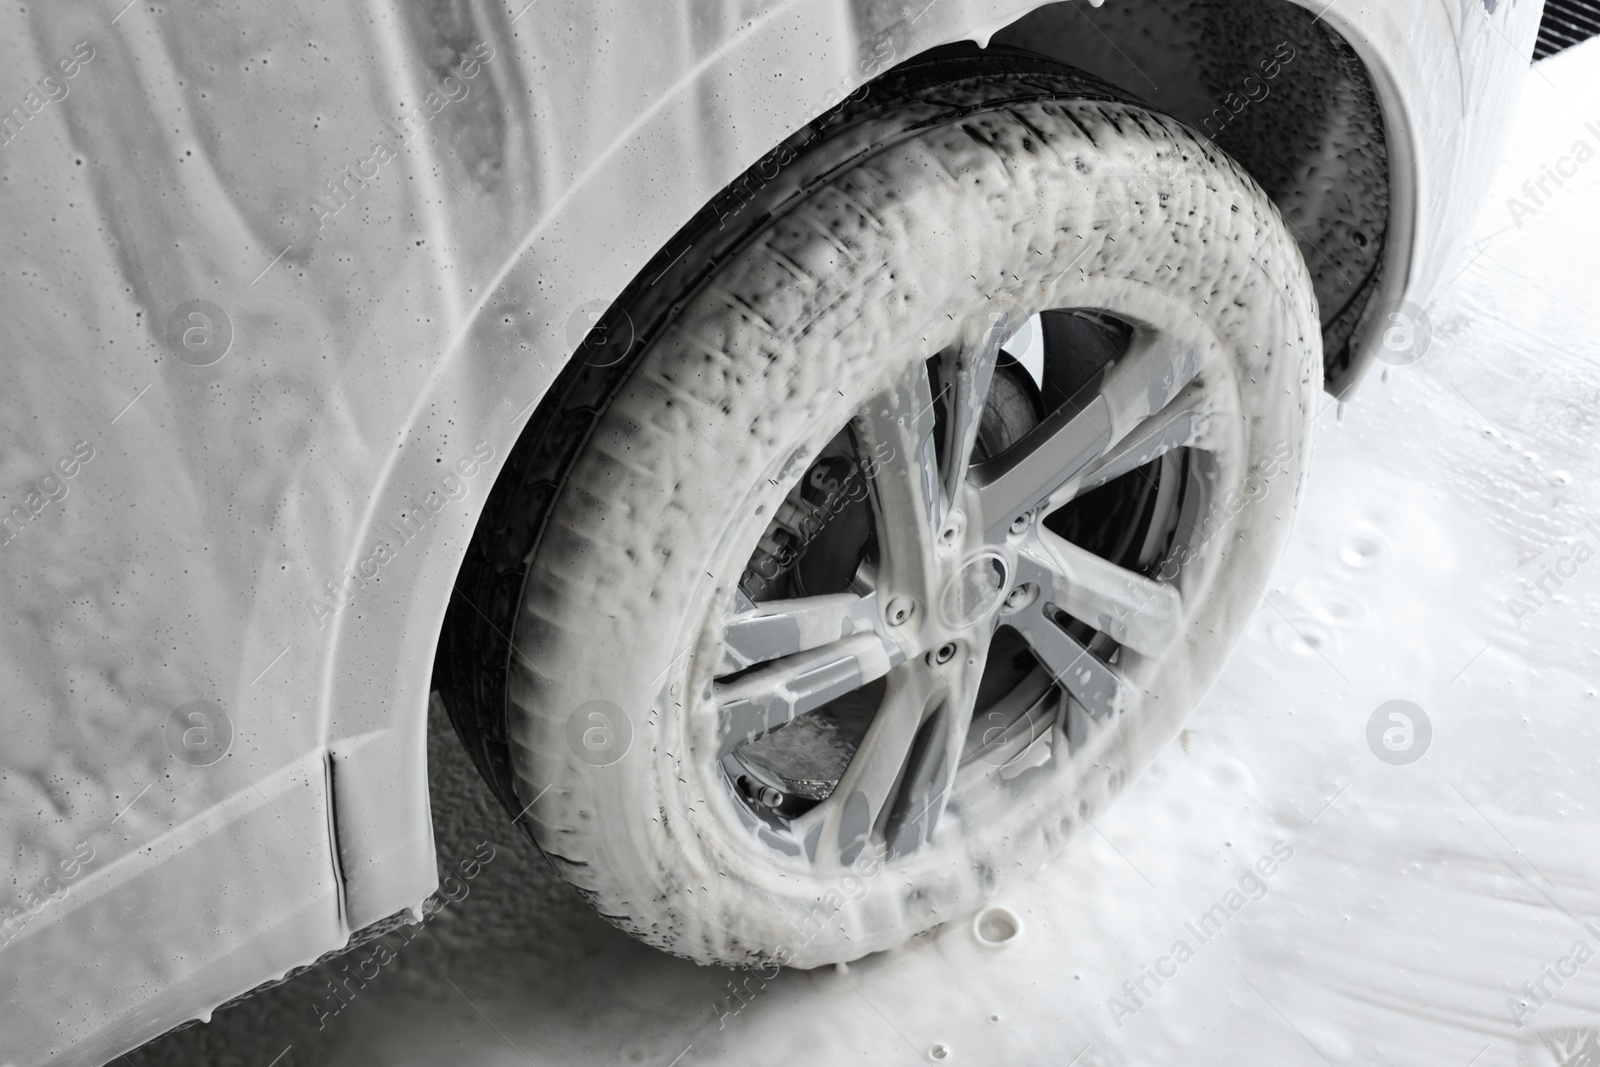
column 929, row 501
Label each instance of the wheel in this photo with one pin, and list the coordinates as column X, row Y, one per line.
column 923, row 496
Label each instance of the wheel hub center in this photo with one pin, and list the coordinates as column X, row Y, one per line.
column 975, row 590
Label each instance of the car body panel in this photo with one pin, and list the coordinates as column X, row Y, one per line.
column 278, row 533
column 1448, row 76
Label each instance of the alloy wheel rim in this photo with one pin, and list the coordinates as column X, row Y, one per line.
column 962, row 555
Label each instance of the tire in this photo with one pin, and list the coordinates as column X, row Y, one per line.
column 893, row 246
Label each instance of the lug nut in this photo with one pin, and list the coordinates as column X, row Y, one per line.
column 943, row 654
column 900, row 609
column 957, row 522
column 1019, row 598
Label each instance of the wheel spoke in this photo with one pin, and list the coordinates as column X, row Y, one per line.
column 1094, row 424
column 1010, row 727
column 786, row 658
column 969, row 370
column 835, row 830
column 778, row 628
column 896, row 433
column 930, row 774
column 1095, row 685
column 1052, row 454
column 1183, row 423
column 1154, row 369
column 1142, row 614
column 769, row 696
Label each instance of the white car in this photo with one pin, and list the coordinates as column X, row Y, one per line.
column 817, row 452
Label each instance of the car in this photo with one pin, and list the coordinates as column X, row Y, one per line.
column 815, row 453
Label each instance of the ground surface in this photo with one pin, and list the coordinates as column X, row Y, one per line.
column 1417, row 900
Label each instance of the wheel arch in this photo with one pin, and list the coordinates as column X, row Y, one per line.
column 1288, row 98
column 513, row 341
column 877, row 36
